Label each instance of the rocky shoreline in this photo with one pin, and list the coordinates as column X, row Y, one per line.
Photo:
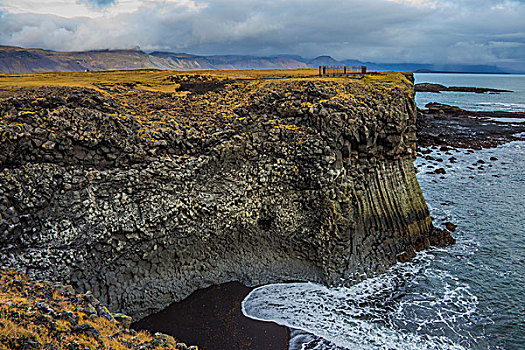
column 445, row 131
column 438, row 88
column 444, row 125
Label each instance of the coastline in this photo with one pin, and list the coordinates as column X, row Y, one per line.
column 217, row 308
column 213, row 315
column 445, row 125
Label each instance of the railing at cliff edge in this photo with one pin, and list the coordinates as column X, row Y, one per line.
column 341, row 71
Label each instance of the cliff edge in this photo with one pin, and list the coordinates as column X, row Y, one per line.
column 145, row 186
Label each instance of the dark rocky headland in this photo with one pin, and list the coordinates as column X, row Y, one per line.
column 443, row 125
column 438, row 88
column 143, row 187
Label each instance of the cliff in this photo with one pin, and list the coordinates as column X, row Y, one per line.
column 143, row 187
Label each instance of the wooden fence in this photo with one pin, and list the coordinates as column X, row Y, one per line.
column 341, row 71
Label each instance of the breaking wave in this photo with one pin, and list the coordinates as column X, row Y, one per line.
column 385, row 312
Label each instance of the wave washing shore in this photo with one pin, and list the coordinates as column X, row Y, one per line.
column 465, row 296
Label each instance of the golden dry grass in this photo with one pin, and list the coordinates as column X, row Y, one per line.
column 213, row 101
column 155, row 80
column 22, row 321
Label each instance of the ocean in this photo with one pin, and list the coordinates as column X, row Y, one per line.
column 467, row 296
column 508, row 101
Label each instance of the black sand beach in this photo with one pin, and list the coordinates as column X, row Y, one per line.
column 212, row 319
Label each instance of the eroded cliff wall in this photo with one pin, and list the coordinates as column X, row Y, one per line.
column 143, row 197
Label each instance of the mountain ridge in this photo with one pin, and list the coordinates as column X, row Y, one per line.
column 34, row 60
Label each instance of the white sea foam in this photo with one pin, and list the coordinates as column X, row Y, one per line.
column 374, row 314
column 507, row 120
column 502, row 104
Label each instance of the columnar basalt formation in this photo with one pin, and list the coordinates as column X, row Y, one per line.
column 143, row 197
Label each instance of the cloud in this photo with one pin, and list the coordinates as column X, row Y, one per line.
column 429, row 31
column 98, row 3
column 429, row 3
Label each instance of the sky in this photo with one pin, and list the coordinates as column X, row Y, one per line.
column 488, row 32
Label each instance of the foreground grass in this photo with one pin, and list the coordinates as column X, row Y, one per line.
column 40, row 315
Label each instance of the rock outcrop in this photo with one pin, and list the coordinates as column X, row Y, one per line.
column 452, row 126
column 438, row 88
column 44, row 315
column 143, row 197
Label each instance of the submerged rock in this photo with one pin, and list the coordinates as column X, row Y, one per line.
column 450, row 226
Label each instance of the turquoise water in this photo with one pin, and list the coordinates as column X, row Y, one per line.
column 507, row 101
column 467, row 296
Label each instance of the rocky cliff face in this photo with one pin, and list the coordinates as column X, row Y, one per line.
column 144, row 197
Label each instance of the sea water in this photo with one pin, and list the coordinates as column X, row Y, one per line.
column 467, row 296
column 506, row 101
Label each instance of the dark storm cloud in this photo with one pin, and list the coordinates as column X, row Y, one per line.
column 480, row 32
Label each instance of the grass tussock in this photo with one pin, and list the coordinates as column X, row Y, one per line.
column 42, row 315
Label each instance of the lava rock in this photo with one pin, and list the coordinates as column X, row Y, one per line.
column 86, row 329
column 450, row 226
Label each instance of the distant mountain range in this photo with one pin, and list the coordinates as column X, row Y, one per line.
column 21, row 60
